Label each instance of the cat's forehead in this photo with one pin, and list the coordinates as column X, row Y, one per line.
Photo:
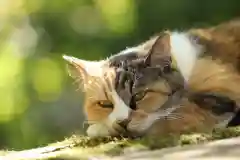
column 157, row 44
column 132, row 53
column 95, row 88
column 127, row 55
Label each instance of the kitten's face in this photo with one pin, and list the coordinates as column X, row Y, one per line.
column 105, row 110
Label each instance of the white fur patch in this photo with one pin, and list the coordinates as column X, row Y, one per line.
column 98, row 130
column 94, row 68
column 121, row 111
column 185, row 53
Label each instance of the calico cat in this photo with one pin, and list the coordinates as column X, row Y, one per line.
column 205, row 60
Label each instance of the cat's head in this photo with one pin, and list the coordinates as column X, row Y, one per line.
column 106, row 112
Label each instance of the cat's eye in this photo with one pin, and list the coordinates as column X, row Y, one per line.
column 105, row 104
column 139, row 96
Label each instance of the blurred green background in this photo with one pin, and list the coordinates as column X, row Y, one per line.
column 39, row 103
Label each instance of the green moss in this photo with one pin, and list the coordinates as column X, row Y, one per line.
column 226, row 133
column 82, row 147
column 154, row 142
column 215, row 135
column 194, row 139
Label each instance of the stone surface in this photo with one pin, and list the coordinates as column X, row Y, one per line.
column 227, row 149
column 72, row 149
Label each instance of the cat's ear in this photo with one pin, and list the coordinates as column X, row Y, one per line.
column 83, row 69
column 158, row 48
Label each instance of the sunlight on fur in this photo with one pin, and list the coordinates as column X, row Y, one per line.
column 204, row 67
column 185, row 52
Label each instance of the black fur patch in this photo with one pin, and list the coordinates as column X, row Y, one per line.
column 235, row 121
column 118, row 59
column 218, row 104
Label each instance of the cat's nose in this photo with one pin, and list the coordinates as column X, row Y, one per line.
column 123, row 123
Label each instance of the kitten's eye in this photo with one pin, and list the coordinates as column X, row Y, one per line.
column 105, row 104
column 139, row 96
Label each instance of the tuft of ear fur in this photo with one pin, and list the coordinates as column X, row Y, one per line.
column 83, row 69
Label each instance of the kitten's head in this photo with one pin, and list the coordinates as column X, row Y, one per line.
column 105, row 110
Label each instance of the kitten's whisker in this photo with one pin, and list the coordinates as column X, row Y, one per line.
column 166, row 111
column 171, row 109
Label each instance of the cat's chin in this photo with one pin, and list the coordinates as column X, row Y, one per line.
column 135, row 128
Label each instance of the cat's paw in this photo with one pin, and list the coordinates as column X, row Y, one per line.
column 102, row 130
column 98, row 130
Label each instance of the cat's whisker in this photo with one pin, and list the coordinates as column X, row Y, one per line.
column 174, row 108
column 174, row 116
column 170, row 112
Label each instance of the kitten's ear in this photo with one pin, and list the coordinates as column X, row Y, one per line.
column 83, row 69
column 158, row 48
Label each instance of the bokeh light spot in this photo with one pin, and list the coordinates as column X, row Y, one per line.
column 119, row 16
column 11, row 68
column 47, row 79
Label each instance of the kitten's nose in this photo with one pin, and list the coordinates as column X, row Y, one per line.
column 123, row 123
